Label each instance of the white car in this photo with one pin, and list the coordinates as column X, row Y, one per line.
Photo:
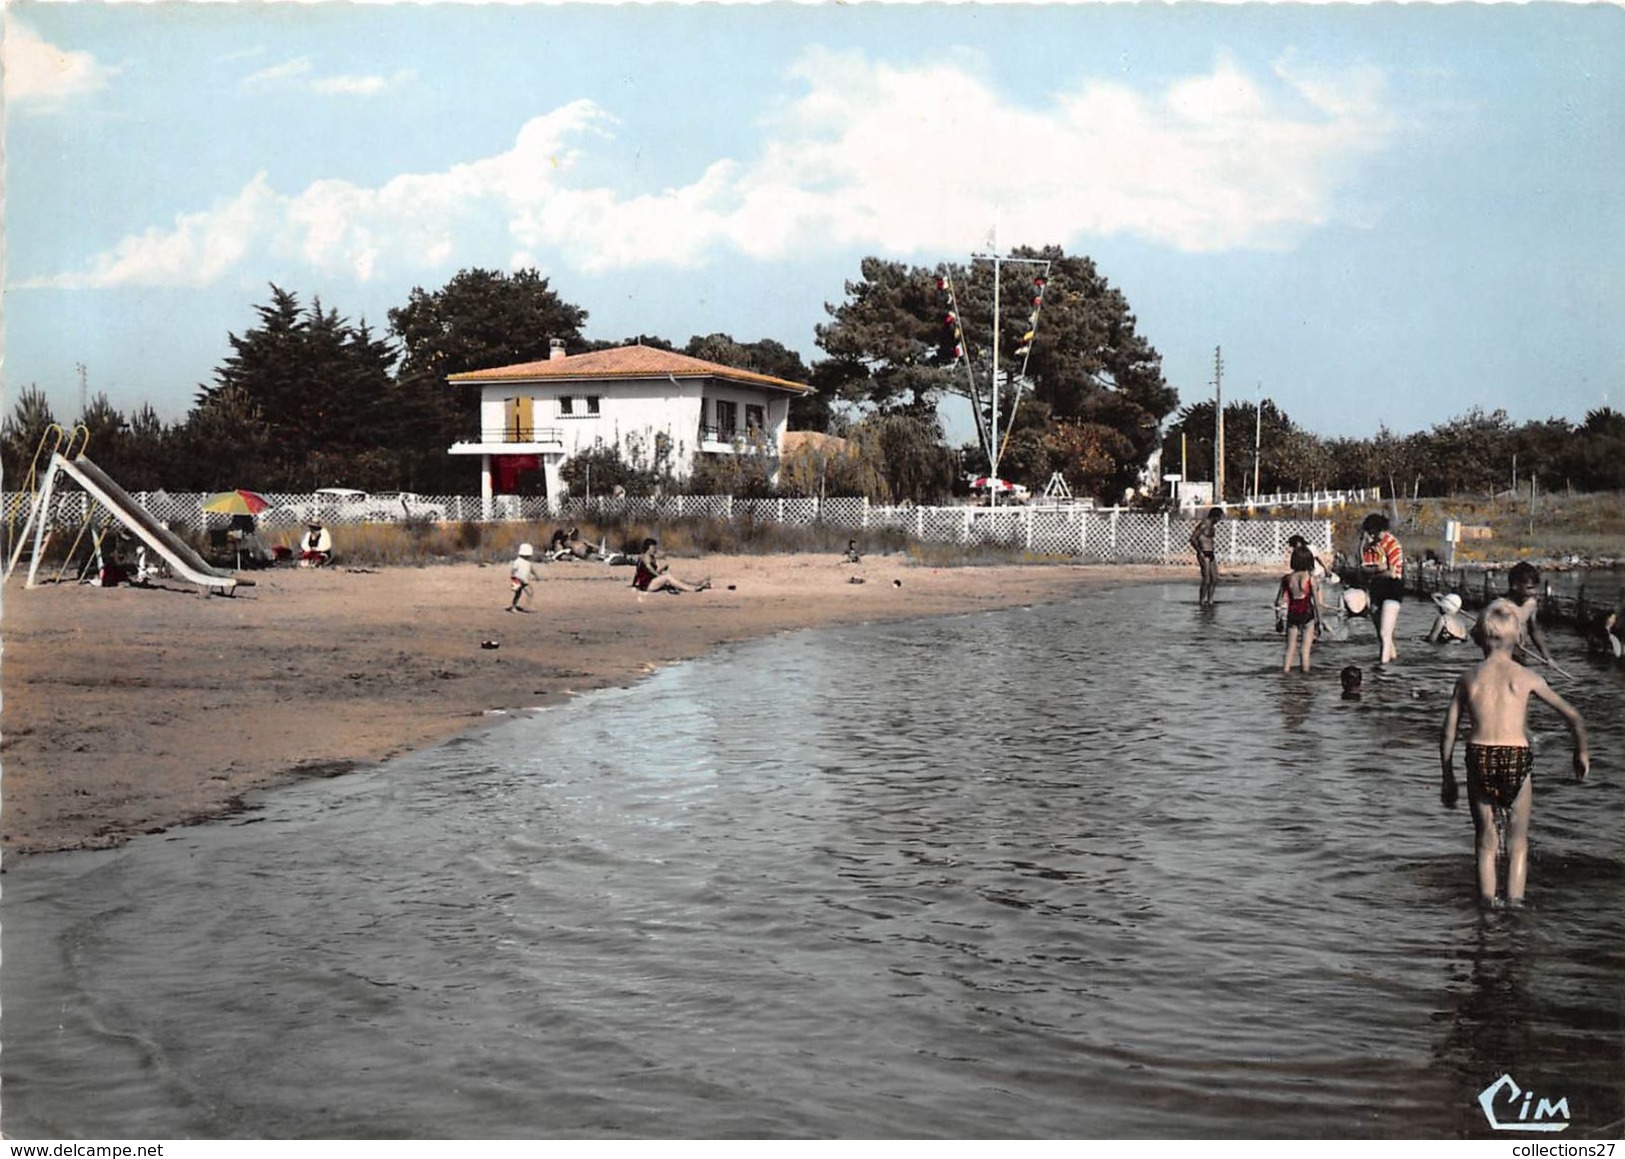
column 349, row 505
column 406, row 505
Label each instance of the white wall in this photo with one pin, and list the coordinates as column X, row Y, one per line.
column 641, row 407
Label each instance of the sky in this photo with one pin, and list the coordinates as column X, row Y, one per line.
column 1383, row 215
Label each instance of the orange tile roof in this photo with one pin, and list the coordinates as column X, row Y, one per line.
column 626, row 362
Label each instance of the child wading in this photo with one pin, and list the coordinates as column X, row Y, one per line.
column 1297, row 607
column 520, row 576
column 1523, row 581
column 1500, row 787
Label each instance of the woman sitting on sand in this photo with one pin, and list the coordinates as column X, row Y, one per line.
column 654, row 576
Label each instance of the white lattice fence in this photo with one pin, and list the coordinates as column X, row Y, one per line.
column 1094, row 535
column 845, row 510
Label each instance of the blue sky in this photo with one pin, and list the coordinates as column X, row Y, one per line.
column 1383, row 214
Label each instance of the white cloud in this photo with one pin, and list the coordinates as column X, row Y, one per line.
column 197, row 250
column 900, row 160
column 288, row 70
column 39, row 73
column 359, row 86
column 300, row 72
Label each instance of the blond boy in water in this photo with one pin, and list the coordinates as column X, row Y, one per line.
column 1495, row 696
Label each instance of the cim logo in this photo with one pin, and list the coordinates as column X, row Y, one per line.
column 1509, row 1107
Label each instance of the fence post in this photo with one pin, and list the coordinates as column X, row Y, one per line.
column 1167, row 538
column 1114, row 533
column 919, row 523
column 1083, row 535
column 964, row 532
column 1029, row 529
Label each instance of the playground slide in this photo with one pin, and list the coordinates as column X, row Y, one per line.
column 180, row 556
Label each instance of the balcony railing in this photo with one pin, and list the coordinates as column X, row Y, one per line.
column 713, row 434
column 513, row 434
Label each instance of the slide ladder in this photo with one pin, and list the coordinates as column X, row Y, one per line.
column 182, row 558
column 52, row 441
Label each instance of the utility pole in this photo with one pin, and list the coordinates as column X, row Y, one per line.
column 1258, row 436
column 84, row 389
column 1218, row 423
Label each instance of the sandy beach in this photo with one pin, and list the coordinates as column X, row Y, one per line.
column 127, row 710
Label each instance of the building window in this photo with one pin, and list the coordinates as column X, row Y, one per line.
column 592, row 404
column 727, row 419
column 566, row 406
column 755, row 417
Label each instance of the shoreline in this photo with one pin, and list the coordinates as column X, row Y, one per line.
column 129, row 711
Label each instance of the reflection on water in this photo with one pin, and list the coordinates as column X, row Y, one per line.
column 1097, row 869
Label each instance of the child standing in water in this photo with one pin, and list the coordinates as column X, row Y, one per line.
column 1495, row 696
column 1522, row 583
column 1297, row 607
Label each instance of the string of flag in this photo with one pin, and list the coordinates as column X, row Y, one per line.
column 962, row 353
column 945, row 285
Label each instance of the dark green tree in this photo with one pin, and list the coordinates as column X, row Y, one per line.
column 888, row 341
column 226, row 442
column 896, row 345
column 21, row 433
column 1540, row 451
column 1597, row 461
column 147, row 451
column 764, row 356
column 478, row 320
column 1470, row 454
column 322, row 390
column 1257, row 430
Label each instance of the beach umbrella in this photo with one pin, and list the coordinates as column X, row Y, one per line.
column 237, row 502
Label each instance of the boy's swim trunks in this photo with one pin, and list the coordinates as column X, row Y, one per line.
column 1495, row 773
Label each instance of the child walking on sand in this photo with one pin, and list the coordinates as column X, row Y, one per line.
column 1500, row 788
column 520, row 576
column 1297, row 607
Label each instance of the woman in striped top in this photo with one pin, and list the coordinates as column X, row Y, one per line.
column 1382, row 561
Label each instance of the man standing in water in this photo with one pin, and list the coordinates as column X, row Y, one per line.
column 1206, row 560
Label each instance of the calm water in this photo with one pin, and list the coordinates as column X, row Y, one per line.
column 1088, row 870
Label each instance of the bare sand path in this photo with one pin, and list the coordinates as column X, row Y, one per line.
column 127, row 711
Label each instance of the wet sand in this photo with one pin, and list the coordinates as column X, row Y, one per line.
column 128, row 710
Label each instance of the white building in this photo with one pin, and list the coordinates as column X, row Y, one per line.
column 539, row 414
